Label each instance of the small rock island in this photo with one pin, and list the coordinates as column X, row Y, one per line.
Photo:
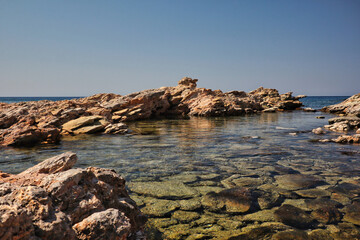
column 42, row 122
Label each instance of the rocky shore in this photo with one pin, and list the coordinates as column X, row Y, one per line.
column 54, row 201
column 42, row 122
column 347, row 124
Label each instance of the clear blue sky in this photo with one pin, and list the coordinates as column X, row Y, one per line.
column 83, row 47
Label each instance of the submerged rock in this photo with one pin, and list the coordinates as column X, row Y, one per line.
column 53, row 201
column 231, row 200
column 352, row 213
column 293, row 216
column 160, row 208
column 291, row 234
column 167, row 189
column 298, row 181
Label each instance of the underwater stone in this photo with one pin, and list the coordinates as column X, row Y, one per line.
column 293, row 216
column 297, row 181
column 233, row 200
column 167, row 190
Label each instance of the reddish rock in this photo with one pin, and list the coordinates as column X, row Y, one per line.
column 53, row 201
column 231, row 200
column 30, row 123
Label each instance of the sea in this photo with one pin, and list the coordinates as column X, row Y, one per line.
column 204, row 155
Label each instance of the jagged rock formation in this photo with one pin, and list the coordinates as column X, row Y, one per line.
column 347, row 122
column 30, row 123
column 53, row 201
column 350, row 106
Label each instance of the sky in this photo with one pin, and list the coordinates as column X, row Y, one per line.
column 84, row 47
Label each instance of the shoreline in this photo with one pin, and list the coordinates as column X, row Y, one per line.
column 31, row 123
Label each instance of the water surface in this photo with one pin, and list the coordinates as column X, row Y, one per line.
column 202, row 154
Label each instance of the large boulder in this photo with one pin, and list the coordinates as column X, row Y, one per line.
column 53, row 201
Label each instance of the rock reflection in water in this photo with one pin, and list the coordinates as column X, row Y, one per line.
column 227, row 178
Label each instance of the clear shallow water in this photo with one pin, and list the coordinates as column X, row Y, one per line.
column 166, row 147
column 252, row 146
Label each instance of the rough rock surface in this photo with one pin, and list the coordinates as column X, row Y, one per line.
column 350, row 106
column 30, row 123
column 53, row 201
column 348, row 121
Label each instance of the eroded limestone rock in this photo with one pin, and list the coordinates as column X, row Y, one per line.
column 31, row 123
column 53, row 201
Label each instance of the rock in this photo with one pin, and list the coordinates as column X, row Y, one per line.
column 347, row 189
column 344, row 231
column 53, row 201
column 23, row 135
column 185, row 216
column 230, row 224
column 297, row 181
column 256, row 232
column 117, row 128
column 160, row 208
column 167, row 190
column 299, row 203
column 320, row 117
column 353, row 121
column 271, row 110
column 238, row 181
column 339, row 127
column 313, row 193
column 55, row 164
column 327, row 215
column 350, row 106
column 267, row 215
column 314, row 204
column 300, row 96
column 89, row 124
column 188, row 82
column 89, row 129
column 320, row 234
column 43, row 122
column 233, row 200
column 190, row 205
column 291, row 234
column 269, row 199
column 352, row 213
column 162, row 222
column 108, row 224
column 318, row 131
column 293, row 216
column 309, row 110
column 348, row 139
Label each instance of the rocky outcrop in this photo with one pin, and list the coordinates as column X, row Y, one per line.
column 350, row 106
column 30, row 123
column 347, row 122
column 53, row 201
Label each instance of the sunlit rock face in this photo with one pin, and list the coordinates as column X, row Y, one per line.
column 347, row 124
column 44, row 122
column 53, row 201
